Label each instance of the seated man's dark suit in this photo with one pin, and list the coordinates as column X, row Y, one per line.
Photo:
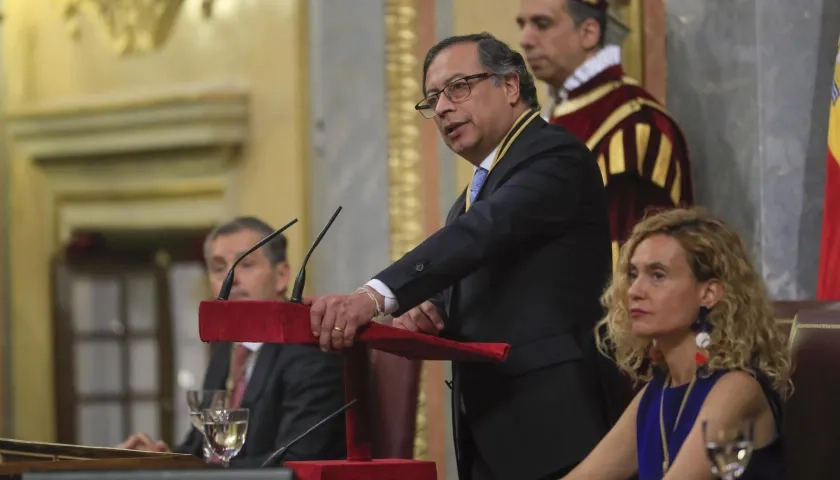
column 525, row 265
column 291, row 388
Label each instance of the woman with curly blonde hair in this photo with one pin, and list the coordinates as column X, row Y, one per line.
column 689, row 315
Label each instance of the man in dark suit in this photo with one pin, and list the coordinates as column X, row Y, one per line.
column 522, row 259
column 287, row 388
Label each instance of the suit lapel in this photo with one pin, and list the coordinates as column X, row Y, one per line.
column 262, row 368
column 514, row 155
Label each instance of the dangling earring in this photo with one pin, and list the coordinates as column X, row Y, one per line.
column 703, row 329
column 655, row 355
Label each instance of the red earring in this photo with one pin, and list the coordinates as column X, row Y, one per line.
column 703, row 338
column 655, row 355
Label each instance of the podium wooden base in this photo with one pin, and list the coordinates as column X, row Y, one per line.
column 377, row 469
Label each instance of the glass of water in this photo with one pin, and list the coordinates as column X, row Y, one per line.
column 729, row 446
column 225, row 430
column 197, row 402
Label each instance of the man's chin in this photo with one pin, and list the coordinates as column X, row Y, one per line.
column 541, row 72
column 459, row 146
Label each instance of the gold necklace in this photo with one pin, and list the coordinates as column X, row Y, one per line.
column 665, row 456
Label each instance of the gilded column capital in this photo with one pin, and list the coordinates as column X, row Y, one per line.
column 133, row 26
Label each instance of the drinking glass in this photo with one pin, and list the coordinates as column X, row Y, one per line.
column 225, row 430
column 197, row 402
column 729, row 446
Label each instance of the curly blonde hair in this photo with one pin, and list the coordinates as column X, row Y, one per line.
column 745, row 336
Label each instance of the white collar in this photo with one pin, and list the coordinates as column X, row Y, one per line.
column 605, row 58
column 252, row 346
column 487, row 162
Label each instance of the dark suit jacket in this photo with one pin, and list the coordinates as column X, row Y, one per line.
column 291, row 388
column 525, row 266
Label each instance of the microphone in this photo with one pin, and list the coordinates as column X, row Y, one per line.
column 282, row 451
column 227, row 285
column 300, row 281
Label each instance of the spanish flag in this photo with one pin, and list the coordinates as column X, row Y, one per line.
column 828, row 284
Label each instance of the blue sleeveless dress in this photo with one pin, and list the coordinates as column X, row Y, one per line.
column 766, row 463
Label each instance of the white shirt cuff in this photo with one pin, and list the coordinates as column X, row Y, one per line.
column 382, row 289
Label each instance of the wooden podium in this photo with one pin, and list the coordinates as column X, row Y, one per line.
column 285, row 322
column 18, row 457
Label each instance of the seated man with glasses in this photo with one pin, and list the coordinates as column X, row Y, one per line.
column 522, row 259
column 286, row 388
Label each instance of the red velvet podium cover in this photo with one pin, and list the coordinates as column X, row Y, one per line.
column 285, row 322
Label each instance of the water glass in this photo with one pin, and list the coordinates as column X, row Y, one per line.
column 225, row 430
column 729, row 446
column 197, row 402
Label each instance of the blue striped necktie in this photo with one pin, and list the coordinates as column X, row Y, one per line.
column 478, row 180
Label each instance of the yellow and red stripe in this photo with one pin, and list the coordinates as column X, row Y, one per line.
column 828, row 283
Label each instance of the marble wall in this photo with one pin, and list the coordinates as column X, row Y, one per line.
column 348, row 125
column 749, row 80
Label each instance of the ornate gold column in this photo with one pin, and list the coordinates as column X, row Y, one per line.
column 404, row 163
column 413, row 179
column 405, row 167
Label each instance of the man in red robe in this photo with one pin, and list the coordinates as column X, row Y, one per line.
column 641, row 152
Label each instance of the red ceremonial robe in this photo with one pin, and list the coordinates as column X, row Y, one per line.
column 640, row 149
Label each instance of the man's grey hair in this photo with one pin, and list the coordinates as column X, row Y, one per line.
column 275, row 250
column 495, row 57
column 580, row 12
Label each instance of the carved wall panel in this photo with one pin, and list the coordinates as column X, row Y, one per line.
column 133, row 26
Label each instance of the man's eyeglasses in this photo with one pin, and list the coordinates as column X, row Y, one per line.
column 457, row 91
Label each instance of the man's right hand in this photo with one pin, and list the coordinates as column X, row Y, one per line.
column 424, row 318
column 141, row 441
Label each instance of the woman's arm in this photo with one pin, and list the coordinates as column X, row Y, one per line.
column 615, row 455
column 736, row 396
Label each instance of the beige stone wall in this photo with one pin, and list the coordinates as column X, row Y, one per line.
column 246, row 59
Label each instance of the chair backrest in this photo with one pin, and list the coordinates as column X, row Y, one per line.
column 393, row 386
column 786, row 310
column 812, row 414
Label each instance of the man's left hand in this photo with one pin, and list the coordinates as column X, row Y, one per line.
column 335, row 319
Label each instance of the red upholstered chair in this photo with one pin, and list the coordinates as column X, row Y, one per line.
column 812, row 414
column 786, row 310
column 393, row 384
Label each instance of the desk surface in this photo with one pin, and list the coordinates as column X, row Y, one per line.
column 14, row 470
